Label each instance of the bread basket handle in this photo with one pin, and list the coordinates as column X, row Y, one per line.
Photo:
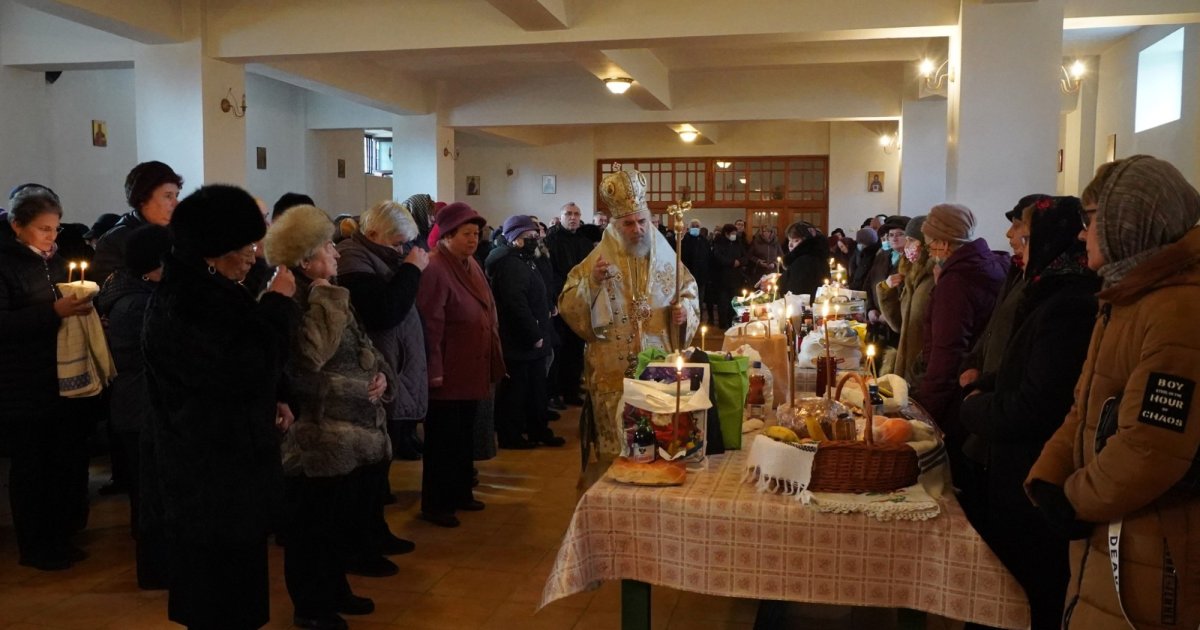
column 868, row 431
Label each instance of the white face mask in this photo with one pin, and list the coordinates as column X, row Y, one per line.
column 732, row 237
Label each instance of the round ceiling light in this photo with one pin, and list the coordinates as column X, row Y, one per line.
column 618, row 85
column 688, row 135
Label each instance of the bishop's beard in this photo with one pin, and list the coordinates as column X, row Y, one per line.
column 641, row 249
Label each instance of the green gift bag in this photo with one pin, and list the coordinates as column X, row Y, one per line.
column 731, row 383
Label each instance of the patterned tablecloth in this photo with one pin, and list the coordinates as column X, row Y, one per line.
column 717, row 535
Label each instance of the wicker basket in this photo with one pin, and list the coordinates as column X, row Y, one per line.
column 858, row 467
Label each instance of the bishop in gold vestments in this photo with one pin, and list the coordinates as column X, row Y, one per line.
column 620, row 300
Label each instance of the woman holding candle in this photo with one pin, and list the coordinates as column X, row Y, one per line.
column 214, row 367
column 47, row 433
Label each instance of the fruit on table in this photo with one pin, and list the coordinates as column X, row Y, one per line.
column 895, row 430
column 814, row 429
column 782, row 434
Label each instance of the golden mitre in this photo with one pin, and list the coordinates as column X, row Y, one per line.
column 624, row 193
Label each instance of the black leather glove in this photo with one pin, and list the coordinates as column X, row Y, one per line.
column 1052, row 502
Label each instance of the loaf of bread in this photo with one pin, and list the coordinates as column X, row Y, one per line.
column 656, row 473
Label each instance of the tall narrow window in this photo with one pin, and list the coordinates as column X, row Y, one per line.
column 1159, row 82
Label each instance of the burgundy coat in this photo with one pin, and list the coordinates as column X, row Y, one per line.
column 961, row 304
column 461, row 331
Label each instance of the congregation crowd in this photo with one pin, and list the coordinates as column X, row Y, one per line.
column 270, row 363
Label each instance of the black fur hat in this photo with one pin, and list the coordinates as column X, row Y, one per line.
column 215, row 220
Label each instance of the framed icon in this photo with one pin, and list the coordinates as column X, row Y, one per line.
column 549, row 184
column 99, row 133
column 472, row 185
column 260, row 158
column 875, row 181
column 341, row 169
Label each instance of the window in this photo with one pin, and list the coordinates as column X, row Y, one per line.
column 377, row 153
column 1159, row 83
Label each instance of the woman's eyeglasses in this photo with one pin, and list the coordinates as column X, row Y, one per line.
column 1087, row 215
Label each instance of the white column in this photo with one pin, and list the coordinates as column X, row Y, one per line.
column 1003, row 108
column 179, row 119
column 424, row 156
column 922, row 155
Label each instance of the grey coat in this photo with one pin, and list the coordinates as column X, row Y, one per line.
column 383, row 290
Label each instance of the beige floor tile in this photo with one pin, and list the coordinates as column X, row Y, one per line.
column 438, row 612
column 514, row 616
column 476, row 584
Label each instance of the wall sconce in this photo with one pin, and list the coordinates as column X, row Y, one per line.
column 723, row 164
column 618, row 85
column 446, row 152
column 229, row 104
column 934, row 76
column 1072, row 78
column 889, row 143
column 689, row 135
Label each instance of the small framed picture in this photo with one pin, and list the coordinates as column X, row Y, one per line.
column 341, row 168
column 99, row 133
column 260, row 158
column 875, row 181
column 472, row 185
column 549, row 184
column 1110, row 149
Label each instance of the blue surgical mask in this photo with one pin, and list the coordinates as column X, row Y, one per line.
column 887, row 245
column 694, row 231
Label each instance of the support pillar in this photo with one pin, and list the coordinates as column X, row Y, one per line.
column 1003, row 109
column 179, row 119
column 424, row 157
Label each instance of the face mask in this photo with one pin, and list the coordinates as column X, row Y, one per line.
column 887, row 245
column 732, row 237
column 912, row 253
column 860, row 247
column 530, row 246
column 694, row 231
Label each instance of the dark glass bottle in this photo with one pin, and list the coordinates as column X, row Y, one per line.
column 645, row 444
column 876, row 399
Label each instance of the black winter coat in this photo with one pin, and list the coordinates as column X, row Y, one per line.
column 567, row 249
column 122, row 302
column 697, row 256
column 214, row 362
column 1034, row 387
column 805, row 267
column 522, row 304
column 28, row 327
column 724, row 252
column 110, row 249
column 860, row 265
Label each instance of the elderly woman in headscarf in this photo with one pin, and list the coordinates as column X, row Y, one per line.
column 464, row 358
column 1120, row 476
column 49, row 432
column 421, row 207
column 1015, row 410
column 122, row 302
column 338, row 388
column 214, row 367
column 903, row 302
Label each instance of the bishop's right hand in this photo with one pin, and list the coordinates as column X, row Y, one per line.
column 600, row 271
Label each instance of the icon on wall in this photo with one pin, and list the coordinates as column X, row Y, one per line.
column 549, row 184
column 341, row 169
column 99, row 133
column 260, row 158
column 472, row 184
column 875, row 181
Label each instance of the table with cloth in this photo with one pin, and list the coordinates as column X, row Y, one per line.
column 718, row 535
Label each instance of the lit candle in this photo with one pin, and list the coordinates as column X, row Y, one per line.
column 871, row 360
column 70, row 271
column 703, row 332
column 745, row 296
column 779, row 263
column 828, row 353
column 789, row 334
column 82, row 270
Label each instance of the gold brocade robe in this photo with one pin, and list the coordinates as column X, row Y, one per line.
column 605, row 318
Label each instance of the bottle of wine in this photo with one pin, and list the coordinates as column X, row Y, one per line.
column 645, row 444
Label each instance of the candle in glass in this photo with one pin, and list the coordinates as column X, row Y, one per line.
column 70, row 272
column 82, row 270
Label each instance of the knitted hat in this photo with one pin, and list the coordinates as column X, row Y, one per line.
column 1054, row 226
column 454, row 215
column 215, row 220
column 950, row 222
column 914, row 230
column 296, row 235
column 102, row 225
column 624, row 193
column 145, row 248
column 290, row 200
column 1145, row 205
column 517, row 225
column 144, row 178
column 1015, row 213
column 866, row 237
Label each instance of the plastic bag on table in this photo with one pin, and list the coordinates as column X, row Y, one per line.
column 679, row 436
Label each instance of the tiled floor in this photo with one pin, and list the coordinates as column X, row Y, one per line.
column 488, row 573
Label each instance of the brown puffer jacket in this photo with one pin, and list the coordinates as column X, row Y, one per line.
column 1145, row 356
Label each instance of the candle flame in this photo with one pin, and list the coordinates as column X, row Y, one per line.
column 679, row 364
column 825, row 309
column 870, row 350
column 703, row 330
column 72, row 266
column 83, row 265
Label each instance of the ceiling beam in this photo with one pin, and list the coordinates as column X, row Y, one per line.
column 651, row 87
column 365, row 83
column 534, row 15
column 145, row 21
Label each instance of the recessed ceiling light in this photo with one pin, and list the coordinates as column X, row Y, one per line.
column 688, row 135
column 618, row 85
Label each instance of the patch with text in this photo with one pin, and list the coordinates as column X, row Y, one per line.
column 1167, row 401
